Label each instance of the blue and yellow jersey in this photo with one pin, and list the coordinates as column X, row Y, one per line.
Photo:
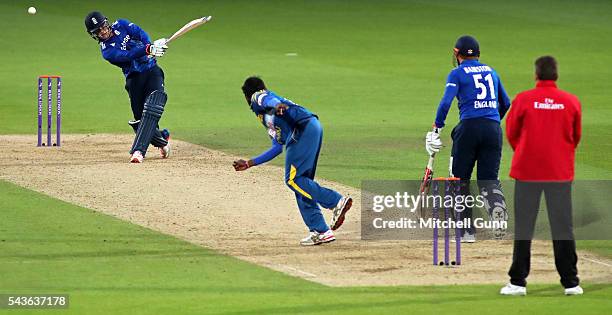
column 126, row 49
column 479, row 91
column 280, row 127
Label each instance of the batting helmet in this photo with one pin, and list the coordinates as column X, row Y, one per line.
column 467, row 46
column 93, row 22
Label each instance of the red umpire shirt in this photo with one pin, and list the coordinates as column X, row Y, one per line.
column 543, row 127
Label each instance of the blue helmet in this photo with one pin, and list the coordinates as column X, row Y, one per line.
column 467, row 46
column 94, row 21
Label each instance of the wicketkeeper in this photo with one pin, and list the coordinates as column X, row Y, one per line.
column 478, row 136
column 293, row 126
column 127, row 46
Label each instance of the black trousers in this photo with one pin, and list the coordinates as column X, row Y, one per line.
column 476, row 140
column 559, row 204
column 139, row 85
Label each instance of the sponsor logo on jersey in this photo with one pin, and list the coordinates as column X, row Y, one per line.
column 549, row 104
column 124, row 42
column 273, row 130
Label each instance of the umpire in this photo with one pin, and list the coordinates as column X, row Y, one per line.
column 543, row 128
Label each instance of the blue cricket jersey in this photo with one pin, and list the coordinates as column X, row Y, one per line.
column 479, row 92
column 126, row 48
column 280, row 128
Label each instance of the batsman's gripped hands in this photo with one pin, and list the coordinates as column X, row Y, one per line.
column 158, row 48
column 241, row 165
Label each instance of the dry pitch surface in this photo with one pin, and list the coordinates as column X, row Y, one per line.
column 197, row 196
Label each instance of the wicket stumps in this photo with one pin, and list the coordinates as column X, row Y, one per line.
column 58, row 112
column 451, row 188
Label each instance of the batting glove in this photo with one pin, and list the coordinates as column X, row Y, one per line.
column 433, row 143
column 156, row 51
column 161, row 43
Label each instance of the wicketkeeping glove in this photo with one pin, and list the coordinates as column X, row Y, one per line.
column 433, row 143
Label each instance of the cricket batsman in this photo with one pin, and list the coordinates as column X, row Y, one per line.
column 293, row 126
column 127, row 46
column 477, row 138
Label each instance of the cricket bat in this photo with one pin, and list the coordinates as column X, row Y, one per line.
column 188, row 27
column 426, row 183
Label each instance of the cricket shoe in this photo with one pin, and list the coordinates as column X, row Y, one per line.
column 511, row 289
column 137, row 157
column 165, row 150
column 339, row 212
column 466, row 238
column 316, row 238
column 577, row 290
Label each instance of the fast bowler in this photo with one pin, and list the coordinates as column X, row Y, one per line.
column 299, row 130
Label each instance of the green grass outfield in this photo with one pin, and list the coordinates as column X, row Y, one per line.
column 374, row 71
column 112, row 267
